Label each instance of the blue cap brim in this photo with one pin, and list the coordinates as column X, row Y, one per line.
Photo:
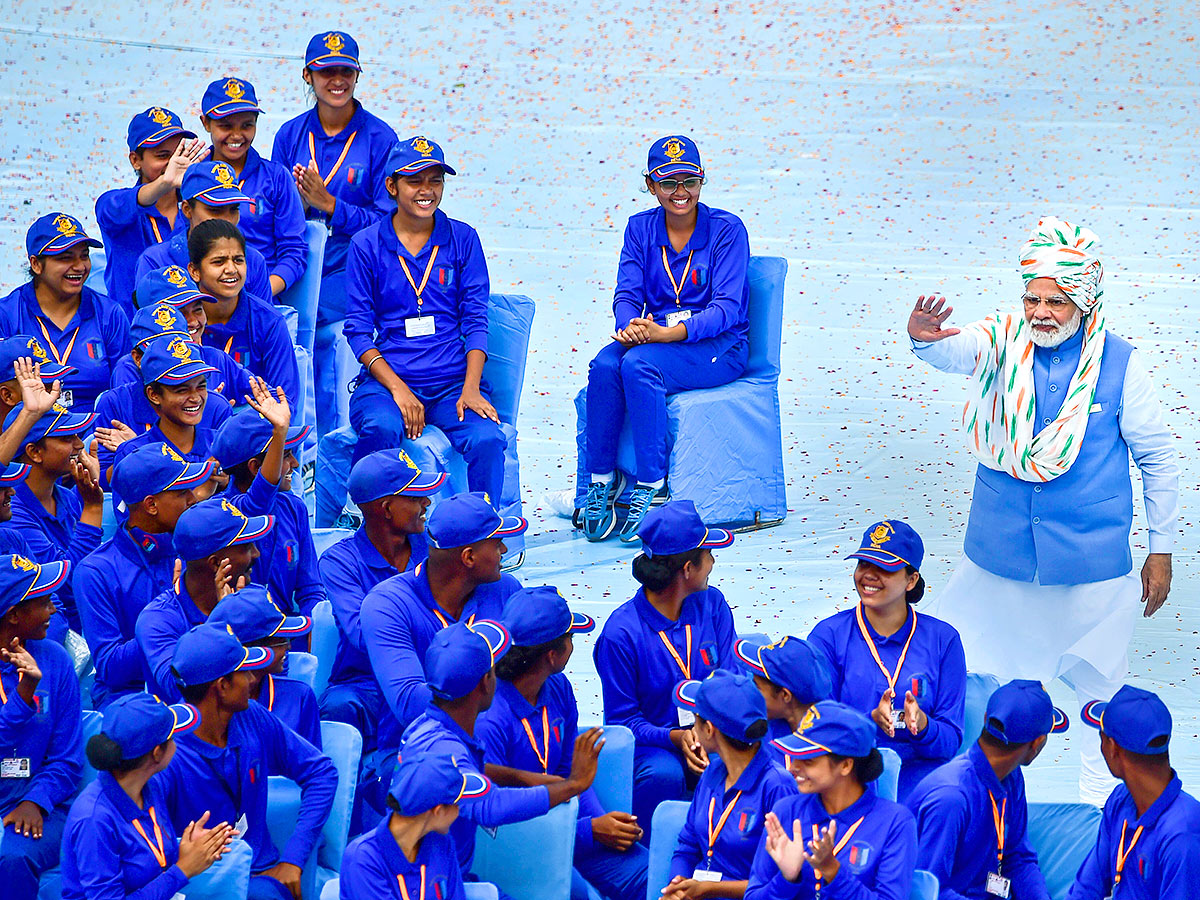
column 185, row 371
column 183, row 298
column 52, row 371
column 255, row 528
column 1093, row 713
column 220, row 196
column 474, row 785
column 64, row 242
column 421, row 165
column 887, row 561
column 256, row 658
column 192, row 475
column 232, row 107
column 715, row 538
column 14, row 473
column 422, row 485
column 666, row 170
column 802, row 747
column 296, row 435
column 496, row 635
column 1061, row 722
column 684, row 695
column 148, row 338
column 71, row 424
column 162, row 135
column 50, row 577
column 187, row 718
column 747, row 653
column 294, row 626
column 581, row 624
column 331, row 61
column 509, row 525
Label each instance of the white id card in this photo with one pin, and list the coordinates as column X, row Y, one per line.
column 66, row 399
column 680, row 315
column 241, row 827
column 687, row 718
column 419, row 326
column 998, row 886
column 15, row 767
column 898, row 719
column 706, row 875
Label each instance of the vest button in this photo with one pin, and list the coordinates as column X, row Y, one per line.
column 1037, row 490
column 1037, row 520
column 1053, row 388
column 1055, row 360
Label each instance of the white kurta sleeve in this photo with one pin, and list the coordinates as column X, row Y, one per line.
column 956, row 354
column 1153, row 449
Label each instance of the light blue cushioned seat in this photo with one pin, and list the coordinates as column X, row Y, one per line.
column 1062, row 834
column 665, row 826
column 530, row 860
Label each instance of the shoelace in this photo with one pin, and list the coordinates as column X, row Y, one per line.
column 597, row 498
column 639, row 502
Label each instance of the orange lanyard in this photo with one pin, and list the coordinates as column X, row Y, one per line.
column 61, row 360
column 998, row 814
column 685, row 668
column 446, row 622
column 424, row 278
column 229, row 344
column 404, row 887
column 271, row 692
column 713, row 834
column 839, row 846
column 312, row 152
column 891, row 677
column 677, row 286
column 544, row 754
column 1122, row 853
column 157, row 233
column 3, row 695
column 159, row 852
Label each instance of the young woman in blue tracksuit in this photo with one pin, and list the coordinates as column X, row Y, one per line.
column 247, row 327
column 335, row 152
column 907, row 672
column 76, row 325
column 836, row 839
column 417, row 321
column 273, row 223
column 119, row 840
column 680, row 307
column 675, row 627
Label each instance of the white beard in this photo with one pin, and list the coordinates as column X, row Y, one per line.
column 1058, row 335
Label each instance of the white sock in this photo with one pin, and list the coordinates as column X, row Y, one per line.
column 603, row 477
column 657, row 485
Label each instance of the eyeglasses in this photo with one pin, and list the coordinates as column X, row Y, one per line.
column 689, row 184
column 1055, row 304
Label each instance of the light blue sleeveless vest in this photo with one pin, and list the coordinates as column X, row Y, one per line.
column 1074, row 529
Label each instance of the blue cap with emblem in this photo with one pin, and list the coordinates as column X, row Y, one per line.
column 150, row 322
column 208, row 652
column 137, row 723
column 227, row 96
column 18, row 346
column 891, row 545
column 461, row 654
column 246, row 435
column 1020, row 711
column 539, row 615
column 830, row 727
column 332, row 48
column 172, row 286
column 172, row 360
column 675, row 527
column 427, row 779
column 57, row 421
column 154, row 468
column 152, row 126
column 1136, row 719
column 390, row 473
column 468, row 518
column 213, row 184
column 791, row 663
column 728, row 700
column 413, row 155
column 22, row 579
column 56, row 233
column 215, row 524
column 254, row 616
column 673, row 155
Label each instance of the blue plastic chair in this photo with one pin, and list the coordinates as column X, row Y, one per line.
column 924, row 886
column 531, row 860
column 304, row 294
column 726, row 442
column 323, row 642
column 226, row 878
column 302, row 666
column 324, row 538
column 668, row 820
column 888, row 785
column 342, row 744
column 91, row 723
column 510, row 318
column 614, row 771
column 979, row 690
column 1062, row 834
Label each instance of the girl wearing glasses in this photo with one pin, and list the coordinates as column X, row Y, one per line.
column 680, row 310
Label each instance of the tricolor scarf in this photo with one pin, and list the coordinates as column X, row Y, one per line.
column 999, row 418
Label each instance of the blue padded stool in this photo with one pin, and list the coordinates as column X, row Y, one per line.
column 1062, row 835
column 979, row 690
column 614, row 771
column 924, row 886
column 726, row 442
column 304, row 294
column 323, row 642
column 668, row 821
column 888, row 785
column 531, row 860
column 510, row 318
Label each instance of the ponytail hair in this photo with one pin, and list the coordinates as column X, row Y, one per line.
column 914, row 596
column 656, row 573
column 866, row 768
column 104, row 755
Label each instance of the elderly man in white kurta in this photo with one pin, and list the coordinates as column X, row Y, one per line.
column 1057, row 406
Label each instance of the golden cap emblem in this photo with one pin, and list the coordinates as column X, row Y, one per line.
column 810, row 719
column 334, row 43
column 25, row 565
column 234, row 89
column 171, row 454
column 881, row 535
column 164, row 318
column 232, row 510
column 66, row 225
column 58, row 408
column 180, row 350
column 159, row 116
column 673, row 148
column 176, row 276
column 405, row 458
column 36, row 349
column 224, row 175
column 422, row 146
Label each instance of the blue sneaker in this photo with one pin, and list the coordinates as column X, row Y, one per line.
column 640, row 502
column 599, row 517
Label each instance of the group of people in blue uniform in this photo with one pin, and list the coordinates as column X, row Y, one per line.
column 175, row 391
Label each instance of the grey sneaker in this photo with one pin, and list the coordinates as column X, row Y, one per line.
column 599, row 517
column 640, row 502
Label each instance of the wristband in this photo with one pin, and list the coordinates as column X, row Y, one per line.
column 372, row 362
